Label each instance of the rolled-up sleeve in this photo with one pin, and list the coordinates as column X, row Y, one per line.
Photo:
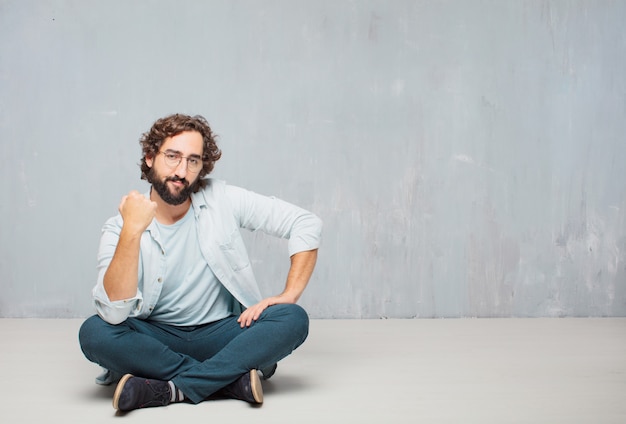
column 306, row 233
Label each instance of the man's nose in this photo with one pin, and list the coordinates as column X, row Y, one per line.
column 181, row 169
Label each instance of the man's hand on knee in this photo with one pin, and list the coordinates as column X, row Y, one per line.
column 254, row 312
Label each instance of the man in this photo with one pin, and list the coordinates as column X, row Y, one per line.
column 179, row 313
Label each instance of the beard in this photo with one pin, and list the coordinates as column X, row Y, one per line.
column 169, row 197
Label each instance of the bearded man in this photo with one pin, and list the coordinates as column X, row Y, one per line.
column 179, row 314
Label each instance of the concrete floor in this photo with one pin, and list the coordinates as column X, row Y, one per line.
column 370, row 371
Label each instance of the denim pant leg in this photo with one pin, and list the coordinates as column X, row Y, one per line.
column 135, row 346
column 279, row 331
column 198, row 360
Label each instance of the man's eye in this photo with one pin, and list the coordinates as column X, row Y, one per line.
column 194, row 161
column 171, row 156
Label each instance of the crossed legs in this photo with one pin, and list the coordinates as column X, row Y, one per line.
column 199, row 360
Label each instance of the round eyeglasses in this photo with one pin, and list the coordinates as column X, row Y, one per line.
column 173, row 159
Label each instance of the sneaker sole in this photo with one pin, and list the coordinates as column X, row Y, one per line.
column 118, row 390
column 256, row 387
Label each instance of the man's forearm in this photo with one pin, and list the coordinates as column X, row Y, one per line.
column 120, row 279
column 302, row 265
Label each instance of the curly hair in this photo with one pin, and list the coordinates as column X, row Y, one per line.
column 171, row 126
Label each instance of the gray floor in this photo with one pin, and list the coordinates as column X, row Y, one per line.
column 370, row 371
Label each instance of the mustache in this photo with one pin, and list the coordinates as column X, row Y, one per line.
column 176, row 178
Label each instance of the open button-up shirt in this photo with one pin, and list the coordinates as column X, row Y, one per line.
column 220, row 210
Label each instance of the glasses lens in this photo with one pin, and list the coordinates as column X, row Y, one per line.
column 171, row 159
column 194, row 165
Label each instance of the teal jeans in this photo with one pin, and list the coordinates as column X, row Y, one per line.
column 201, row 359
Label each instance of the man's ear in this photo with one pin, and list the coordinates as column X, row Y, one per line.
column 149, row 160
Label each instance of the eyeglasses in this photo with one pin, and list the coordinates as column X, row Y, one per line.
column 173, row 159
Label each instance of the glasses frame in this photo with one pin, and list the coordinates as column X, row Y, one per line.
column 180, row 159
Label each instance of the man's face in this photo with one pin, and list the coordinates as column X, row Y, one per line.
column 170, row 173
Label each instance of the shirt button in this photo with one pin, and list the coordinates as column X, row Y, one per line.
column 160, row 280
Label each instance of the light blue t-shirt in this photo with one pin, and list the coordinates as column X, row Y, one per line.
column 191, row 294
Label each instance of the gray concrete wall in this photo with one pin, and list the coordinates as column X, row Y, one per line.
column 467, row 157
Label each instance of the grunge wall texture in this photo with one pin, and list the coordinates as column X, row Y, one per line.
column 467, row 157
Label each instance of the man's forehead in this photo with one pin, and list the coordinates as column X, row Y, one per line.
column 187, row 142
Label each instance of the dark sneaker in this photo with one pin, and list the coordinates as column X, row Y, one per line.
column 135, row 392
column 247, row 387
